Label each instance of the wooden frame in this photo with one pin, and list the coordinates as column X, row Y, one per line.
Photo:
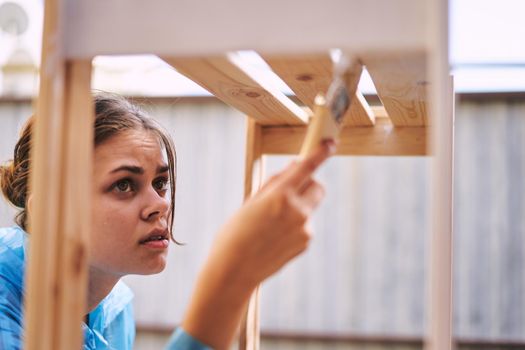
column 408, row 63
column 249, row 336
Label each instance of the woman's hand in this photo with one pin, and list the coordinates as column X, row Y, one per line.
column 269, row 230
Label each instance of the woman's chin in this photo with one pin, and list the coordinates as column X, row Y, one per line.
column 152, row 267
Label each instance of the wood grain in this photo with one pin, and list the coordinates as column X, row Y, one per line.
column 227, row 79
column 75, row 210
column 401, row 82
column 41, row 275
column 439, row 281
column 383, row 139
column 308, row 75
column 60, row 226
column 61, row 184
column 249, row 338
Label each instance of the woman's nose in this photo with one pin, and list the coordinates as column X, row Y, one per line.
column 155, row 206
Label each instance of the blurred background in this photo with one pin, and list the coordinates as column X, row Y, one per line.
column 361, row 285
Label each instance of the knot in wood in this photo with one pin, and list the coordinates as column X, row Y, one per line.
column 305, row 77
column 79, row 257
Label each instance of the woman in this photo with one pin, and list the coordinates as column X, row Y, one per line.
column 133, row 203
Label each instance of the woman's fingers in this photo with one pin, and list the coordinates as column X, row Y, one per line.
column 298, row 172
column 304, row 169
column 312, row 195
column 275, row 178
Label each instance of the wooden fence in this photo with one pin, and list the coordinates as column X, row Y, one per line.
column 364, row 272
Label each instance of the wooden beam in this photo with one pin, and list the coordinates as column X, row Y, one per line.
column 383, row 139
column 56, row 290
column 249, row 338
column 308, row 75
column 75, row 209
column 359, row 113
column 209, row 27
column 41, row 274
column 56, row 284
column 229, row 79
column 60, row 186
column 401, row 82
column 439, row 280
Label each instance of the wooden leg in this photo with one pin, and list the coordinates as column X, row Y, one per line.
column 39, row 316
column 61, row 212
column 249, row 338
column 249, row 330
column 76, row 198
column 441, row 267
column 439, row 281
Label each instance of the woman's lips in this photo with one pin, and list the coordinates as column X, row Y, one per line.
column 157, row 244
column 157, row 234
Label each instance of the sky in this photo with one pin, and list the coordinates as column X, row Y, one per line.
column 486, row 47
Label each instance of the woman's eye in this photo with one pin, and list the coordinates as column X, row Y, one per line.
column 123, row 186
column 161, row 184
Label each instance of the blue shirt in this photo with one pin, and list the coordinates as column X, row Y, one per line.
column 110, row 327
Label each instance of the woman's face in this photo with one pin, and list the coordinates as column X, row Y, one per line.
column 130, row 205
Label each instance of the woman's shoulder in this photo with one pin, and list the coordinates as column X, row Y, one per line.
column 12, row 267
column 13, row 241
column 13, row 238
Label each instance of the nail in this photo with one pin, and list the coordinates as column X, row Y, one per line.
column 330, row 144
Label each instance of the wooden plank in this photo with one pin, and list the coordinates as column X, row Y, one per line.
column 440, row 262
column 249, row 335
column 41, row 274
column 308, row 75
column 359, row 113
column 230, row 80
column 56, row 282
column 441, row 256
column 60, row 226
column 249, row 338
column 253, row 173
column 208, row 27
column 383, row 139
column 75, row 209
column 401, row 82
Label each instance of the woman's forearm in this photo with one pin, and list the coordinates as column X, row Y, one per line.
column 216, row 307
column 268, row 231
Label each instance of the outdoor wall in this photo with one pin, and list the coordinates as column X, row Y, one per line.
column 364, row 272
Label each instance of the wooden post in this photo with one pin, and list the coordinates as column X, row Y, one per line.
column 439, row 282
column 254, row 173
column 60, row 215
column 441, row 259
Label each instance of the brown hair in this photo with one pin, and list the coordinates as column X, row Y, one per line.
column 113, row 115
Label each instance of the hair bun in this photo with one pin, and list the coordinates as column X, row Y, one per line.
column 9, row 186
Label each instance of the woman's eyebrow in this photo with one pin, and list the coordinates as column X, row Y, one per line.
column 139, row 170
column 163, row 169
column 131, row 168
